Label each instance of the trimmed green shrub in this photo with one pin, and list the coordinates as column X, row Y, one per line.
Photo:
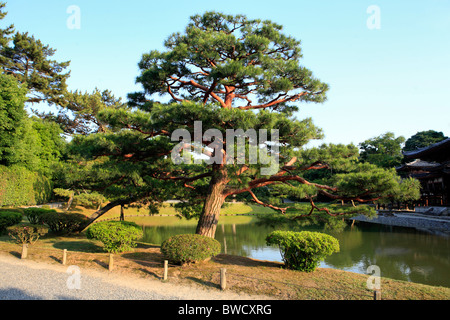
column 190, row 248
column 62, row 223
column 303, row 250
column 117, row 236
column 26, row 234
column 34, row 214
column 8, row 219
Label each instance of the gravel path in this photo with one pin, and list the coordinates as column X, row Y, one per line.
column 30, row 280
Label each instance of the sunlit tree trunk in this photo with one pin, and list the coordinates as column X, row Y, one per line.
column 209, row 218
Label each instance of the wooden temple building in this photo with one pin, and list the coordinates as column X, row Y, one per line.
column 431, row 166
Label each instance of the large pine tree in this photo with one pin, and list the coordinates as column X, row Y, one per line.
column 227, row 73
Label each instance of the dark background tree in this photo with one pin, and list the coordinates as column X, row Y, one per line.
column 423, row 139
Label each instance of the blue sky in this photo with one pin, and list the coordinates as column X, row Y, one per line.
column 395, row 78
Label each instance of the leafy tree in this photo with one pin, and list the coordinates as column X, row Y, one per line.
column 226, row 73
column 423, row 139
column 51, row 145
column 384, row 151
column 12, row 118
column 38, row 147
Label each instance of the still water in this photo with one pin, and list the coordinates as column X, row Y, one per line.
column 402, row 254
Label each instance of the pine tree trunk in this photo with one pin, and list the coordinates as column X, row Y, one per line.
column 69, row 203
column 209, row 218
column 122, row 216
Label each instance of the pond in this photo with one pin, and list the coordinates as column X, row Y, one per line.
column 401, row 253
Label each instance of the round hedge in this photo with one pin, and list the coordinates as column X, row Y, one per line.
column 303, row 250
column 8, row 219
column 117, row 236
column 190, row 248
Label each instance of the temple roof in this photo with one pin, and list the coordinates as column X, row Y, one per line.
column 438, row 152
column 419, row 164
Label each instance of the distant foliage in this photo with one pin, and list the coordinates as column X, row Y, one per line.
column 21, row 187
column 117, row 236
column 423, row 139
column 303, row 250
column 384, row 151
column 189, row 248
column 8, row 219
column 12, row 116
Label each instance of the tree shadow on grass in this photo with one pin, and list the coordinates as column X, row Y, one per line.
column 79, row 246
column 141, row 245
column 150, row 273
column 148, row 260
column 102, row 263
column 56, row 259
column 244, row 261
column 204, row 283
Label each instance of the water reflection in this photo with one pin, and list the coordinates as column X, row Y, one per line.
column 400, row 253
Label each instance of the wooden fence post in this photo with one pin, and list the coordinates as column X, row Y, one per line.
column 24, row 251
column 64, row 259
column 166, row 269
column 111, row 262
column 377, row 295
column 223, row 278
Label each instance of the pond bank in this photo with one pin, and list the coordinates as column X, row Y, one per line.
column 425, row 223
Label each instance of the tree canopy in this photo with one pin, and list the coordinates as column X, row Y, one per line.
column 12, row 117
column 232, row 61
column 29, row 61
column 384, row 150
column 423, row 139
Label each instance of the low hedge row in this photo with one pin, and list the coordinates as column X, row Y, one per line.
column 8, row 219
column 58, row 222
